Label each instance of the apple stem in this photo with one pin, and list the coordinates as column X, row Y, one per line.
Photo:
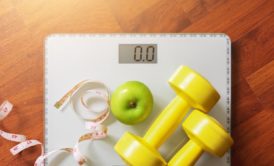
column 132, row 104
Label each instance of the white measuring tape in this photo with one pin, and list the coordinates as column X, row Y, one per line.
column 93, row 122
column 5, row 109
column 93, row 118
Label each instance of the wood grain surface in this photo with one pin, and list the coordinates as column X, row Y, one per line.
column 250, row 23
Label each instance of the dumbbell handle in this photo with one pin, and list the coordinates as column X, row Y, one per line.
column 187, row 156
column 167, row 122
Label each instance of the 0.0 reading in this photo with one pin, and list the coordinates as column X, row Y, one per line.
column 149, row 53
column 138, row 53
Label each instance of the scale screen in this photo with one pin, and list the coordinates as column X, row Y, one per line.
column 116, row 58
column 137, row 53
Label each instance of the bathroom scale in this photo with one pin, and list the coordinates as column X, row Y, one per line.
column 116, row 58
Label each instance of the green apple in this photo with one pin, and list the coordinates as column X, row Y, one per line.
column 131, row 102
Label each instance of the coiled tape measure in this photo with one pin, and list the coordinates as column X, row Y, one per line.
column 93, row 123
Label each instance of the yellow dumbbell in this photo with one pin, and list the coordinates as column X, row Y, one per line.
column 205, row 134
column 192, row 91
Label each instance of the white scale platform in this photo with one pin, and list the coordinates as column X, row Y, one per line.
column 70, row 59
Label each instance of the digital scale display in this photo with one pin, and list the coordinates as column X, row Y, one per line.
column 138, row 53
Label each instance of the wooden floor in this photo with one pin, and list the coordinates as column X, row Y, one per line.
column 250, row 24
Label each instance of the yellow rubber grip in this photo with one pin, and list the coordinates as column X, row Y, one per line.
column 187, row 156
column 167, row 122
